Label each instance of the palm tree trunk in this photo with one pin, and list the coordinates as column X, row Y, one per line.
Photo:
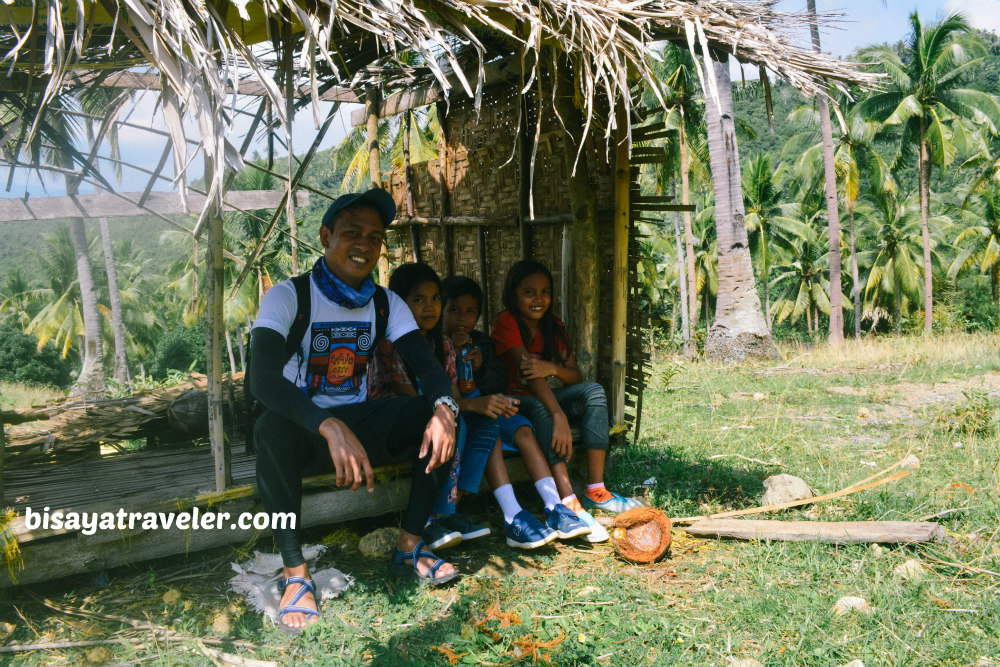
column 832, row 213
column 923, row 168
column 90, row 384
column 117, row 322
column 899, row 312
column 856, row 289
column 767, row 294
column 682, row 279
column 688, row 233
column 740, row 331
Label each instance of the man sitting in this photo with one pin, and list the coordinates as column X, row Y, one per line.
column 316, row 411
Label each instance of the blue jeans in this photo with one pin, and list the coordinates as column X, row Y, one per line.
column 477, row 435
column 584, row 404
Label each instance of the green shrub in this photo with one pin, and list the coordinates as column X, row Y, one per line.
column 22, row 361
column 180, row 349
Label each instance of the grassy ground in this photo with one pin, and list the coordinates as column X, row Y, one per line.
column 832, row 417
column 17, row 396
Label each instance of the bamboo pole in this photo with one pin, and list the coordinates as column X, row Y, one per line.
column 619, row 293
column 289, row 67
column 524, row 182
column 213, row 352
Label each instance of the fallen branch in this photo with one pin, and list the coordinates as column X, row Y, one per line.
column 221, row 659
column 835, row 532
column 746, row 458
column 795, row 503
column 47, row 646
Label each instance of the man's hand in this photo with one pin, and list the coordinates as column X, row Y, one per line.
column 562, row 438
column 349, row 457
column 439, row 438
column 537, row 369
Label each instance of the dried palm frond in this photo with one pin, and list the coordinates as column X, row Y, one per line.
column 201, row 55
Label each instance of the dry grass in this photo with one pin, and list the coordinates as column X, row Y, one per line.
column 17, row 396
column 944, row 349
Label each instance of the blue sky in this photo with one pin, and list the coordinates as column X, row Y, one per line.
column 864, row 22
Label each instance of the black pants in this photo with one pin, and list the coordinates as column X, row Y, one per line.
column 391, row 431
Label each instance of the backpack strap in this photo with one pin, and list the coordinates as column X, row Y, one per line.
column 381, row 316
column 303, row 308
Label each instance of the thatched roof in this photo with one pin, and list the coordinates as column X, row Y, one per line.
column 202, row 54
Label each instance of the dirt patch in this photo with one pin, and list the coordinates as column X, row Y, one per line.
column 905, row 400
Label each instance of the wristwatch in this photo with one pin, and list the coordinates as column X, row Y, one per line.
column 448, row 402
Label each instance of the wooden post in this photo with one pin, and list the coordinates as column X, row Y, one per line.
column 619, row 293
column 375, row 168
column 447, row 234
column 213, row 350
column 289, row 66
column 414, row 230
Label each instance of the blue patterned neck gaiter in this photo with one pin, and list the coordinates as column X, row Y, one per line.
column 338, row 291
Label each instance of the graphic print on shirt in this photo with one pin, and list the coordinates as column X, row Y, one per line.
column 338, row 357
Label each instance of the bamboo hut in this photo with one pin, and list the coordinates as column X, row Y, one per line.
column 542, row 139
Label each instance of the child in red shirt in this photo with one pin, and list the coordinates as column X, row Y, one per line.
column 534, row 346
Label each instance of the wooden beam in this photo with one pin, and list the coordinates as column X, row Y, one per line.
column 835, row 532
column 619, row 276
column 150, row 81
column 107, row 205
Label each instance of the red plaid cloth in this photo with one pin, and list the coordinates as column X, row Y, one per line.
column 387, row 368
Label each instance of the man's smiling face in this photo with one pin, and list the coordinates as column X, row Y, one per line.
column 353, row 245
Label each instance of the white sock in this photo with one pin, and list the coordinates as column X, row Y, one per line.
column 547, row 490
column 569, row 499
column 508, row 502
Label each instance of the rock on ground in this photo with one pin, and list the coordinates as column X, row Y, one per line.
column 911, row 570
column 379, row 543
column 784, row 488
column 847, row 604
column 854, row 663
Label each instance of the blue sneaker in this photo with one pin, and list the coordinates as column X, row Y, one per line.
column 616, row 504
column 598, row 533
column 527, row 532
column 566, row 524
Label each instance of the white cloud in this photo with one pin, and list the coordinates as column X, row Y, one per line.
column 982, row 14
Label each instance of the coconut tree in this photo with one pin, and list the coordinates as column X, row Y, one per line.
column 894, row 260
column 979, row 241
column 925, row 98
column 740, row 330
column 770, row 224
column 801, row 283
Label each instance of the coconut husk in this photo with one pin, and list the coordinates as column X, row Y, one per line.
column 641, row 535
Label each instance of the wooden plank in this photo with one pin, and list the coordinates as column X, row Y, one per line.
column 72, row 553
column 113, row 206
column 835, row 532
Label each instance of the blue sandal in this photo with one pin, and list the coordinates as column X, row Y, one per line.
column 308, row 586
column 400, row 568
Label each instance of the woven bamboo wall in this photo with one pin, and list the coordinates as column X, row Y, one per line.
column 483, row 180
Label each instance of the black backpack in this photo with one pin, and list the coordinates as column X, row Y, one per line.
column 293, row 346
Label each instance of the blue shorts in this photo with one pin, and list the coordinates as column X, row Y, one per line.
column 508, row 426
